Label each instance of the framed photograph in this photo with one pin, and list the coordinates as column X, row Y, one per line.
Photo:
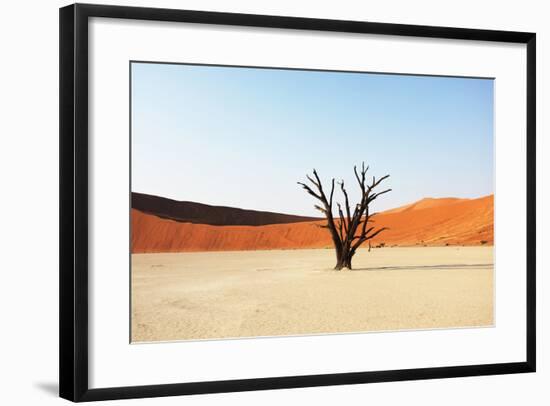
column 257, row 202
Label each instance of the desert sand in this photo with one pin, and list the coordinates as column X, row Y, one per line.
column 428, row 222
column 209, row 295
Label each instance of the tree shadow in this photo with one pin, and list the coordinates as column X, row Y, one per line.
column 442, row 266
column 51, row 388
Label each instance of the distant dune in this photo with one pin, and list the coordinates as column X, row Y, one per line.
column 163, row 225
column 198, row 213
column 427, row 203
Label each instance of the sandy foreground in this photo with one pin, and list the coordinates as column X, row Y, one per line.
column 211, row 295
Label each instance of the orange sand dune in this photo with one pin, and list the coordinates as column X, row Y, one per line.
column 427, row 203
column 431, row 222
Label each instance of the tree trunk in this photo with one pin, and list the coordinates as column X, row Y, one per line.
column 343, row 259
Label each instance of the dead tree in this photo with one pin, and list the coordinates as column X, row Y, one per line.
column 351, row 229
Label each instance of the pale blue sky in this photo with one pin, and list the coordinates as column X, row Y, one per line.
column 243, row 137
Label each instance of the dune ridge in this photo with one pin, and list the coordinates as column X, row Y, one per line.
column 427, row 203
column 199, row 213
column 428, row 222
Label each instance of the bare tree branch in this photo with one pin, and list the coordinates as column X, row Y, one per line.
column 327, row 205
column 320, row 208
column 331, row 195
column 370, row 237
column 309, row 190
column 347, row 200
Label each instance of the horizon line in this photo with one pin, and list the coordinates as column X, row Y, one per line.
column 300, row 215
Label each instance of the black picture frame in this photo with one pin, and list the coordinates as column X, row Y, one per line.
column 73, row 255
